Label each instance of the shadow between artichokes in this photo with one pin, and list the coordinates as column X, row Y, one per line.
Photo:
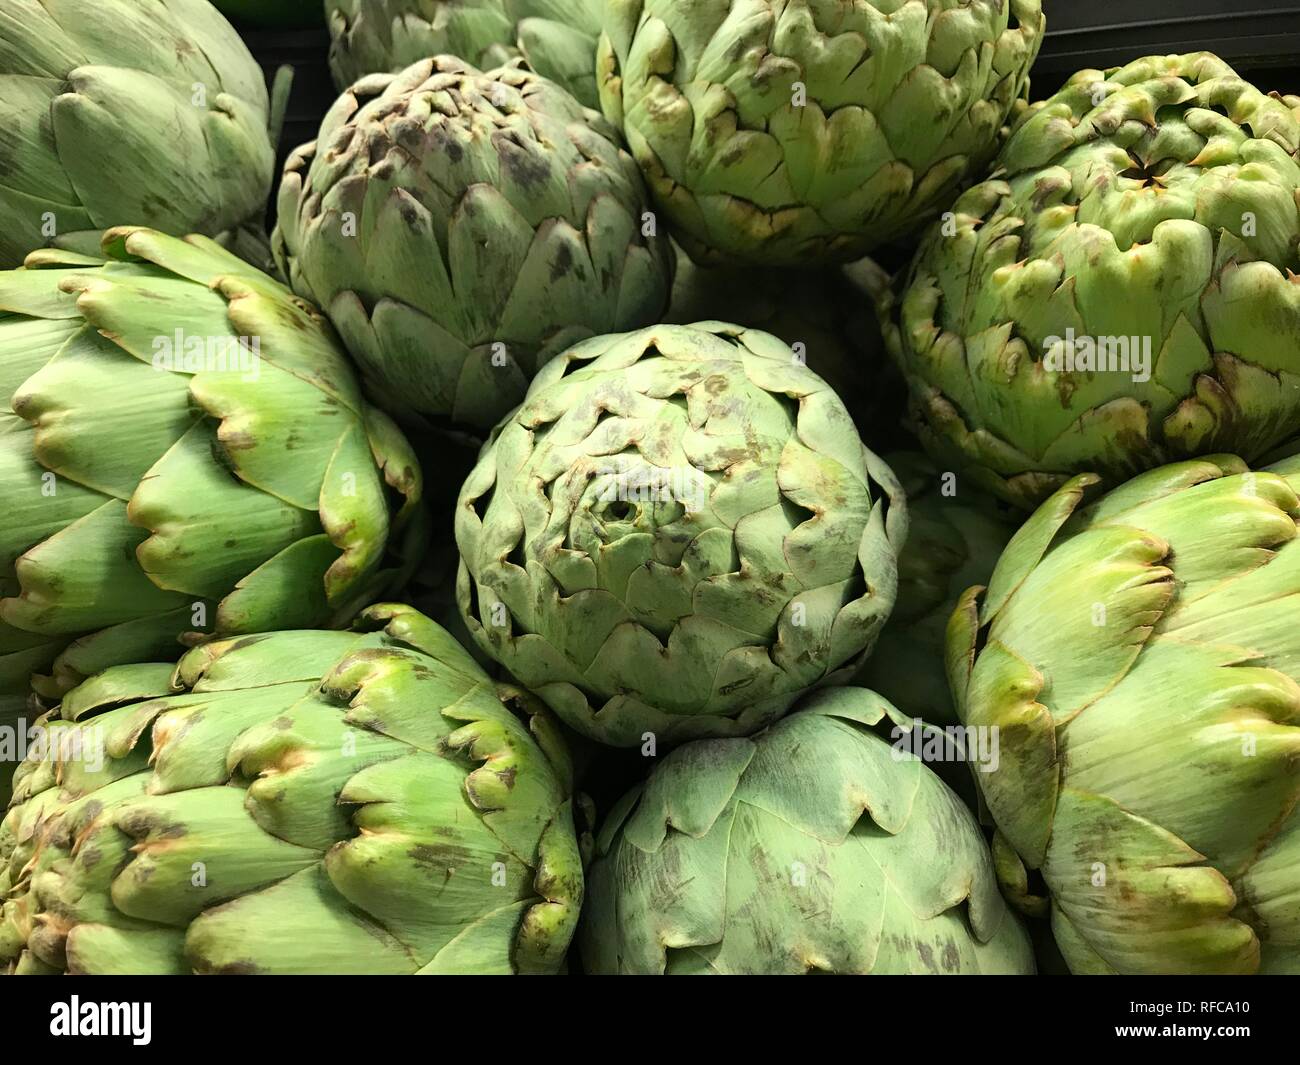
column 1122, row 293
column 460, row 228
column 812, row 847
column 295, row 802
column 679, row 532
column 1140, row 658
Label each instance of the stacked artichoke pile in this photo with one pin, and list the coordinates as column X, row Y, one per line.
column 495, row 569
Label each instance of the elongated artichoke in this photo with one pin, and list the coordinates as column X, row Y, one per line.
column 461, row 228
column 805, row 132
column 954, row 539
column 1123, row 294
column 812, row 847
column 679, row 532
column 140, row 112
column 1140, row 658
column 186, row 453
column 296, row 802
column 557, row 37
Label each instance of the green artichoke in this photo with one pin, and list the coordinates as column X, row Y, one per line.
column 795, row 134
column 297, row 802
column 461, row 228
column 123, row 112
column 1123, row 294
column 186, row 453
column 954, row 539
column 557, row 37
column 679, row 532
column 812, row 847
column 824, row 315
column 1140, row 659
column 273, row 14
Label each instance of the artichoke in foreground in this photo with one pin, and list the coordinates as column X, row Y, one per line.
column 187, row 453
column 295, row 802
column 557, row 37
column 1122, row 293
column 679, row 532
column 810, row 848
column 954, row 538
column 120, row 112
column 1140, row 658
column 460, row 228
column 796, row 134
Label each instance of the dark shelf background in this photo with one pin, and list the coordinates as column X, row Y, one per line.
column 1261, row 38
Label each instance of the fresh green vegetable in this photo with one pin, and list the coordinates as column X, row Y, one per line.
column 812, row 847
column 557, row 37
column 460, row 228
column 810, row 132
column 186, row 454
column 128, row 112
column 1140, row 658
column 1122, row 293
column 296, row 802
column 679, row 532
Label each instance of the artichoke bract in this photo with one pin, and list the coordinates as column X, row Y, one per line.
column 460, row 228
column 796, row 134
column 678, row 533
column 811, row 847
column 1122, row 294
column 186, row 453
column 1140, row 658
column 295, row 802
column 557, row 37
column 148, row 112
column 954, row 540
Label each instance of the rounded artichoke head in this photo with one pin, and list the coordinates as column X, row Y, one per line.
column 461, row 228
column 1140, row 659
column 295, row 802
column 186, row 453
column 815, row 846
column 678, row 533
column 955, row 536
column 557, row 37
column 805, row 132
column 123, row 112
column 1123, row 293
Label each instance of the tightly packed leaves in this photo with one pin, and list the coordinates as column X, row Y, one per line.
column 186, row 452
column 803, row 132
column 139, row 112
column 1141, row 659
column 1151, row 216
column 298, row 802
column 557, row 37
column 460, row 228
column 811, row 847
column 679, row 532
